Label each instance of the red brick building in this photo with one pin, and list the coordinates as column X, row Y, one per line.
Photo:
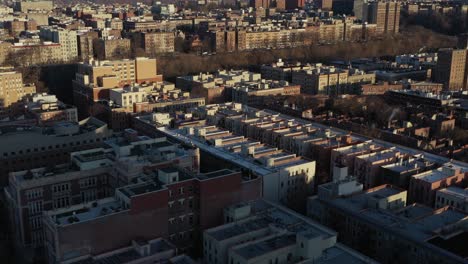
column 166, row 203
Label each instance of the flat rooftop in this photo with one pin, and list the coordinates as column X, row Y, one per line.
column 128, row 254
column 384, row 192
column 263, row 247
column 434, row 175
column 141, row 188
column 456, row 191
column 408, row 165
column 85, row 212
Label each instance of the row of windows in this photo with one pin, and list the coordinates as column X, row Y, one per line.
column 60, row 188
column 181, row 219
column 35, row 222
column 35, row 207
column 181, row 202
column 181, row 190
column 34, row 193
column 77, row 143
column 88, row 182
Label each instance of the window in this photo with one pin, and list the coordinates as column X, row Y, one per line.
column 181, row 190
column 35, row 222
column 35, row 207
column 34, row 194
column 61, row 202
column 88, row 195
column 60, row 188
column 88, row 182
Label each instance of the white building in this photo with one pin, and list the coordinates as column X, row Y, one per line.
column 127, row 96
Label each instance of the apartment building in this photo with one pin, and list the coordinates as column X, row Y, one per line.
column 263, row 232
column 12, row 92
column 453, row 196
column 31, row 192
column 281, row 70
column 385, row 14
column 112, row 48
column 90, row 175
column 286, row 177
column 95, row 79
column 259, row 4
column 400, row 173
column 147, row 97
column 212, row 86
column 25, row 6
column 378, row 223
column 85, row 44
column 254, row 93
column 48, row 110
column 257, row 38
column 45, row 52
column 320, row 79
column 368, row 167
column 157, row 42
column 66, row 38
column 452, row 69
column 423, row 186
column 27, row 147
column 345, row 156
column 140, row 251
column 166, row 202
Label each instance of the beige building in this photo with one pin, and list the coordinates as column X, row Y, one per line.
column 263, row 232
column 12, row 91
column 321, row 79
column 386, row 15
column 452, row 69
column 40, row 53
column 25, row 6
column 95, row 78
column 112, row 48
column 66, row 38
column 157, row 42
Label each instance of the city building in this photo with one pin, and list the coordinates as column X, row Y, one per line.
column 423, row 186
column 257, row 93
column 379, row 224
column 451, row 69
column 385, row 14
column 112, row 48
column 321, row 79
column 27, row 5
column 452, row 196
column 156, row 250
column 264, row 232
column 399, row 174
column 212, row 86
column 167, row 202
column 27, row 147
column 48, row 110
column 66, row 38
column 368, row 167
column 96, row 78
column 12, row 92
column 157, row 42
column 89, row 176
